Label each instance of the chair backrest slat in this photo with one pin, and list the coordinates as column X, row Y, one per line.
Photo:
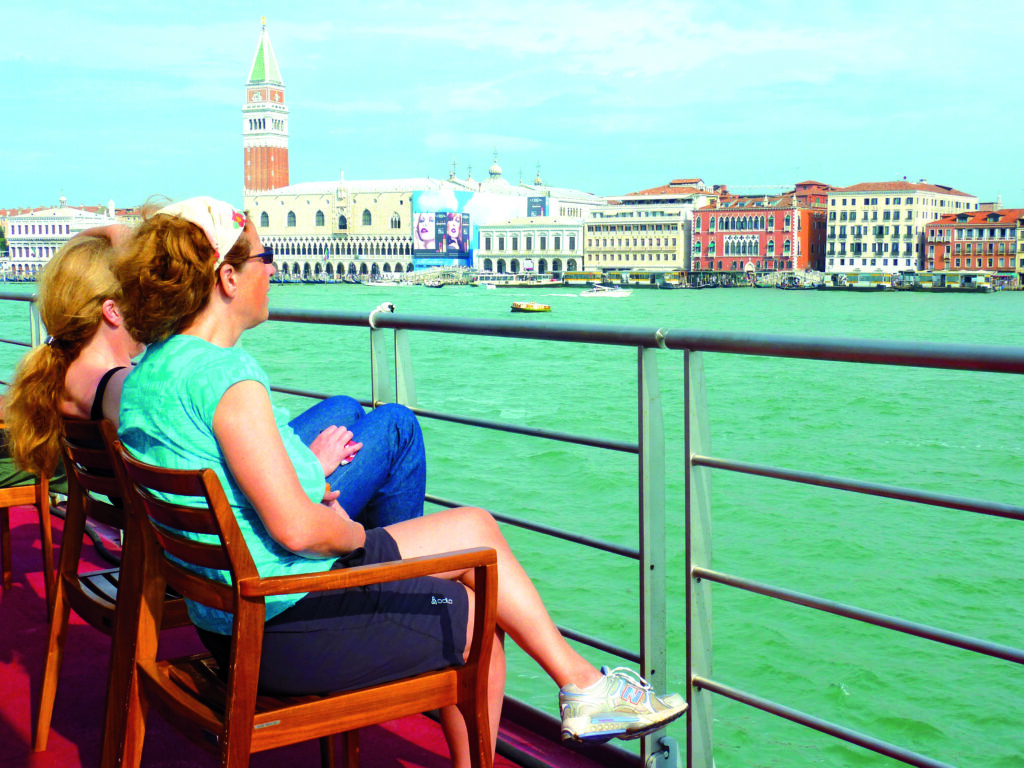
column 89, row 458
column 205, row 555
column 191, row 585
column 162, row 497
column 180, row 517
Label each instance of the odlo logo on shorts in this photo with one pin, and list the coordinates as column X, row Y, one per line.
column 440, row 600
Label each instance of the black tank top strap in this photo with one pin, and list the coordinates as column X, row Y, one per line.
column 101, row 388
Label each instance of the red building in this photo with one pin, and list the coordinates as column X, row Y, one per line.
column 757, row 233
column 973, row 240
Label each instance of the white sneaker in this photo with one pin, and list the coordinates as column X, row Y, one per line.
column 621, row 704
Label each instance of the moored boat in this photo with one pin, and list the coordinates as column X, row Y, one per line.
column 530, row 306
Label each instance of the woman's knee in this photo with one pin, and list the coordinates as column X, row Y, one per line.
column 344, row 409
column 480, row 526
column 399, row 416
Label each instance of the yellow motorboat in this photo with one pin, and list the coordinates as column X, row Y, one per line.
column 530, row 306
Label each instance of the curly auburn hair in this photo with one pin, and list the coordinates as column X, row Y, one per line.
column 73, row 286
column 167, row 276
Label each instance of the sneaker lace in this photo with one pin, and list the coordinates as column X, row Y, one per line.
column 632, row 677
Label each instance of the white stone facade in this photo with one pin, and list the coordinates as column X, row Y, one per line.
column 33, row 238
column 538, row 245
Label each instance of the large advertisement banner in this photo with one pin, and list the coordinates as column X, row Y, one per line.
column 536, row 206
column 445, row 224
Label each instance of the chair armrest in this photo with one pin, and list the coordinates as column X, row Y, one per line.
column 361, row 575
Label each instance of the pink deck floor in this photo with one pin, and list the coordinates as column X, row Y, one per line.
column 78, row 713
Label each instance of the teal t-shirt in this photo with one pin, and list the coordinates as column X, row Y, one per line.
column 167, row 408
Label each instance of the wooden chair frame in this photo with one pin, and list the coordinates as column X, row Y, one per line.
column 233, row 717
column 91, row 461
column 35, row 494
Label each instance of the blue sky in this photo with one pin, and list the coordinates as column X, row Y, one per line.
column 126, row 100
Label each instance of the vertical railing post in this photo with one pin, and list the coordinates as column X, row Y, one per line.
column 653, row 568
column 381, row 389
column 699, row 744
column 405, row 384
column 35, row 323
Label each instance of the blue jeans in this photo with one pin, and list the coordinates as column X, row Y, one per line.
column 385, row 481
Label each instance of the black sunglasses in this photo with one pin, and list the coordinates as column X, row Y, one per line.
column 267, row 257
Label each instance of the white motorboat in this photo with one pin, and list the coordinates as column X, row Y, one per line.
column 606, row 291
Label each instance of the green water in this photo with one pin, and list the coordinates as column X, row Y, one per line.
column 946, row 431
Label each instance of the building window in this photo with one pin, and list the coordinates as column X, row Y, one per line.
column 367, row 219
column 543, row 243
column 558, row 243
column 319, row 218
column 487, row 243
column 501, row 243
column 342, row 222
column 264, row 220
column 396, row 221
column 515, row 243
column 572, row 242
column 291, row 218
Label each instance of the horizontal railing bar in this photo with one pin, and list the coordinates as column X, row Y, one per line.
column 5, row 296
column 300, row 392
column 600, row 645
column 931, row 498
column 557, row 533
column 824, row 726
column 917, row 354
column 16, row 343
column 946, row 637
column 549, row 434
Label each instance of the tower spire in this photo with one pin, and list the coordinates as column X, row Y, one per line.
column 265, row 120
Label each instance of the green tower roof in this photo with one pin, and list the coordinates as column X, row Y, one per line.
column 264, row 63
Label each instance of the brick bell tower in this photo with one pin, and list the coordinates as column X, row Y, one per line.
column 265, row 121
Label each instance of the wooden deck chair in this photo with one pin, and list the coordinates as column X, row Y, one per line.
column 94, row 493
column 35, row 494
column 233, row 717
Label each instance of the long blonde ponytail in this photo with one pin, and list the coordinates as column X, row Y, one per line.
column 72, row 289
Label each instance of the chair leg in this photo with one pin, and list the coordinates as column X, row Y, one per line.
column 5, row 547
column 51, row 673
column 327, row 752
column 349, row 750
column 134, row 730
column 46, row 538
column 478, row 731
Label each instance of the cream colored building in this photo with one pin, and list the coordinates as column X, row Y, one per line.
column 879, row 227
column 647, row 230
column 33, row 238
column 655, row 238
column 536, row 244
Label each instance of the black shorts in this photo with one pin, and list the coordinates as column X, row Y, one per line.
column 353, row 638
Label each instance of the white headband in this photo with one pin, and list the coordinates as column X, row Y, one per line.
column 221, row 223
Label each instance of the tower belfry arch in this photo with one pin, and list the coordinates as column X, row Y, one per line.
column 264, row 121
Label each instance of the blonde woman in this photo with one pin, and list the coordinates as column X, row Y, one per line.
column 79, row 371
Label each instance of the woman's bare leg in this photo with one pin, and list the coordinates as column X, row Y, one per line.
column 451, row 719
column 521, row 612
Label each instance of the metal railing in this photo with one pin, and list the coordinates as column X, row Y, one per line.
column 392, row 380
